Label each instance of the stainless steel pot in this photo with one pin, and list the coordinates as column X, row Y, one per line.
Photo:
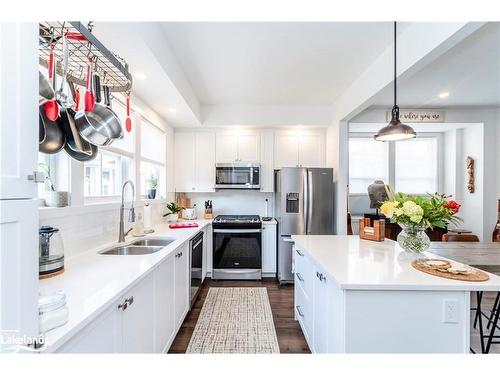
column 101, row 126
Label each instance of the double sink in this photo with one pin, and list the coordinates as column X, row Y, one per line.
column 139, row 247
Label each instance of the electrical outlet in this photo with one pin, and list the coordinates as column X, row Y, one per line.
column 450, row 311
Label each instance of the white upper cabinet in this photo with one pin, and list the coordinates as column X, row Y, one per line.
column 204, row 161
column 311, row 152
column 299, row 150
column 286, row 151
column 19, row 114
column 266, row 160
column 194, row 161
column 237, row 147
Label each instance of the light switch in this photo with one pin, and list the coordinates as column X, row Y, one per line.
column 450, row 311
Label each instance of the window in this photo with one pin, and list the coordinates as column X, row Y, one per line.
column 58, row 166
column 416, row 166
column 104, row 176
column 153, row 154
column 410, row 166
column 368, row 161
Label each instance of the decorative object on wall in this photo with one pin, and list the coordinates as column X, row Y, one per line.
column 496, row 230
column 377, row 193
column 414, row 115
column 372, row 232
column 470, row 172
column 396, row 130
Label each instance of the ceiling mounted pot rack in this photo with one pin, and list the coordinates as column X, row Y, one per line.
column 82, row 45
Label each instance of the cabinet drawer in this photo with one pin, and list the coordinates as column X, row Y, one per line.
column 304, row 273
column 304, row 314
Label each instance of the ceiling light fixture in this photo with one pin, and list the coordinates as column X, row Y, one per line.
column 396, row 130
column 444, row 95
column 140, row 76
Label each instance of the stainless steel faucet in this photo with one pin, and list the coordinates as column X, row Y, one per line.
column 131, row 212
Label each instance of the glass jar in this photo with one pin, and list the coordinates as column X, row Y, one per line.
column 413, row 238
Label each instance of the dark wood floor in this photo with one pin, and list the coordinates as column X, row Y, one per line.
column 290, row 337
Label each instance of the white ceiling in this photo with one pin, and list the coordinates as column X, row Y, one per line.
column 470, row 72
column 290, row 63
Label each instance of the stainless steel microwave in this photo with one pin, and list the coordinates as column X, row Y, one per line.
column 237, row 176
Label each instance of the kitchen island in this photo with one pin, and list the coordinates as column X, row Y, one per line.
column 358, row 296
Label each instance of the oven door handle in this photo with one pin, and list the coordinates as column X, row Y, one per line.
column 237, row 230
column 196, row 244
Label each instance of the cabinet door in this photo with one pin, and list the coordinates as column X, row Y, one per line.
column 139, row 319
column 19, row 113
column 269, row 248
column 181, row 284
column 164, row 302
column 226, row 148
column 267, row 161
column 321, row 303
column 103, row 335
column 311, row 150
column 286, row 151
column 205, row 161
column 249, row 148
column 184, row 162
column 18, row 268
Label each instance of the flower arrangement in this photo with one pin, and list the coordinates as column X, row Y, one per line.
column 415, row 214
column 433, row 210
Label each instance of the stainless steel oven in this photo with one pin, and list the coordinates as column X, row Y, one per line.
column 196, row 262
column 237, row 248
column 237, row 176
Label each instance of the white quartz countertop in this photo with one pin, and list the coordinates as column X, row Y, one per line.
column 360, row 264
column 92, row 281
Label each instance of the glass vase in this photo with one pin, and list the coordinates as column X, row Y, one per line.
column 413, row 239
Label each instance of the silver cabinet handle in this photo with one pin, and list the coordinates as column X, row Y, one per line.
column 130, row 300
column 37, row 177
column 299, row 276
column 123, row 306
column 321, row 277
column 299, row 252
column 299, row 311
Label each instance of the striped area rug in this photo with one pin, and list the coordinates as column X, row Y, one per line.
column 235, row 320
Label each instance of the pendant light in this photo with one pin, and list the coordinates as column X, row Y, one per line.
column 396, row 130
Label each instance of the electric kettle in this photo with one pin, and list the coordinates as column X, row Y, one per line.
column 51, row 252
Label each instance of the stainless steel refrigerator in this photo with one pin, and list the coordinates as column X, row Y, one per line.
column 303, row 205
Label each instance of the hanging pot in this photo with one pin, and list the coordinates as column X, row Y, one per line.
column 51, row 138
column 81, row 156
column 101, row 126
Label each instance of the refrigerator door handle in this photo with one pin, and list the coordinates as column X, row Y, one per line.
column 309, row 200
column 305, row 202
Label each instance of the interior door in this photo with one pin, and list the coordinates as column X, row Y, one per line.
column 164, row 299
column 139, row 318
column 18, row 268
column 19, row 113
column 319, row 201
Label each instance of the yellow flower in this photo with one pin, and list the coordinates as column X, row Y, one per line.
column 387, row 208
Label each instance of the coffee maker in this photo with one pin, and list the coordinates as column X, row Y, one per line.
column 51, row 252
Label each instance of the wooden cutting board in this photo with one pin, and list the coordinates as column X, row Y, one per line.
column 475, row 275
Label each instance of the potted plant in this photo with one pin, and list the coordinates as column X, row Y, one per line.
column 53, row 198
column 174, row 209
column 415, row 214
column 153, row 185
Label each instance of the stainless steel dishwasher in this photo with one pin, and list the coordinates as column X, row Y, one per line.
column 196, row 262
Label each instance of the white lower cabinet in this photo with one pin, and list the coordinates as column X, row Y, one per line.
column 181, row 283
column 313, row 303
column 164, row 304
column 268, row 249
column 146, row 318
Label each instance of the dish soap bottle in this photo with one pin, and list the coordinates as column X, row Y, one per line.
column 138, row 226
